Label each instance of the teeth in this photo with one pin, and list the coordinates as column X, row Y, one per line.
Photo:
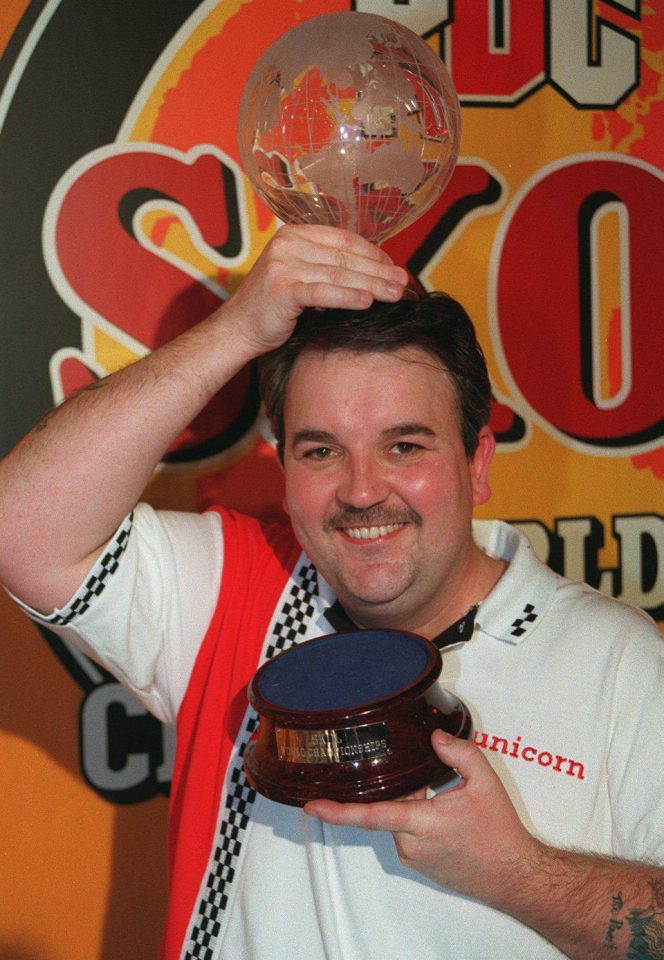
column 372, row 533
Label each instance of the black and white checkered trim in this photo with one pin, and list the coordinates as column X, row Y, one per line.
column 290, row 626
column 520, row 625
column 97, row 581
column 296, row 612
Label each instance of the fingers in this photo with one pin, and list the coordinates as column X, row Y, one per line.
column 344, row 242
column 331, row 267
column 356, row 293
column 403, row 814
column 394, row 816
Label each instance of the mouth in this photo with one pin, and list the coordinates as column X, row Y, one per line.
column 371, row 533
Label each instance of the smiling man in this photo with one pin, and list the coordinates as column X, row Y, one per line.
column 380, row 488
column 380, row 405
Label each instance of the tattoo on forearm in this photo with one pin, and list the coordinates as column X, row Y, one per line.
column 614, row 923
column 646, row 925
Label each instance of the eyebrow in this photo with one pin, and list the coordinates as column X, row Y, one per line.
column 407, row 430
column 392, row 433
column 312, row 436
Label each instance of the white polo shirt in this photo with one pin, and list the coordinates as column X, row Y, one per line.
column 566, row 690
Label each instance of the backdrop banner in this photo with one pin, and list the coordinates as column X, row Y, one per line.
column 126, row 217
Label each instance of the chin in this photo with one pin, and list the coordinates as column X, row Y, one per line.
column 371, row 609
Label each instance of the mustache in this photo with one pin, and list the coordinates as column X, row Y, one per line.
column 377, row 516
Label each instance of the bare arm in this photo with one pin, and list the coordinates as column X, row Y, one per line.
column 66, row 486
column 593, row 908
column 590, row 908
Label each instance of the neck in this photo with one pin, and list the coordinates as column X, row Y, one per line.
column 479, row 578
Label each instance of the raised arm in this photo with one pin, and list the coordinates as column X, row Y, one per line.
column 67, row 485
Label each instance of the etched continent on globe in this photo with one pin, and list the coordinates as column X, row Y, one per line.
column 349, row 119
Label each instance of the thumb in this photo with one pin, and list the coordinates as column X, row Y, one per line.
column 462, row 756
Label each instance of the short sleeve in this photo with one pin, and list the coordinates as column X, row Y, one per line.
column 145, row 606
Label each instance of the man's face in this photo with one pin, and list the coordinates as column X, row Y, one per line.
column 378, row 486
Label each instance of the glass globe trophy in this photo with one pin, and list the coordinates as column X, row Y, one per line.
column 352, row 120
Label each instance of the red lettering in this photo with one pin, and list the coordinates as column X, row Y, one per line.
column 529, row 754
column 496, row 51
column 502, row 52
column 471, row 189
column 543, row 299
column 575, row 769
column 141, row 294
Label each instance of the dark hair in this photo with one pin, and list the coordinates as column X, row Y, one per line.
column 434, row 322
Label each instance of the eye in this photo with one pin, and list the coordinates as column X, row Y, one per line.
column 317, row 453
column 405, row 447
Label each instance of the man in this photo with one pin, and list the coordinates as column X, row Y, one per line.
column 381, row 419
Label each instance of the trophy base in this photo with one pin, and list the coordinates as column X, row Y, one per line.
column 349, row 717
column 383, row 776
column 365, row 790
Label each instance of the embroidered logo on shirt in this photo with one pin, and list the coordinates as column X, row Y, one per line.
column 544, row 758
column 528, row 616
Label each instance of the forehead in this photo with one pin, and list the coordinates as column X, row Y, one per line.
column 367, row 382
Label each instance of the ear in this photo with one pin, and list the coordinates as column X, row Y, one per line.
column 479, row 466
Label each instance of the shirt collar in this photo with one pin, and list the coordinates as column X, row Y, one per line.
column 515, row 606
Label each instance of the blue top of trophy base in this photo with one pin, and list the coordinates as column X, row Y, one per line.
column 344, row 670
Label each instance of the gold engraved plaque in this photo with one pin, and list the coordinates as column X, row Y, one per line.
column 345, row 745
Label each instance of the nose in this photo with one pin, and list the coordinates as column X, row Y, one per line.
column 363, row 483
